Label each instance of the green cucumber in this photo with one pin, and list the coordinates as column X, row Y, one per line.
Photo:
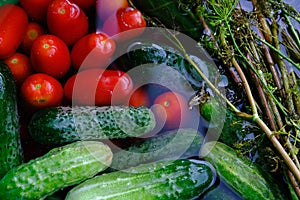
column 174, row 144
column 240, row 173
column 60, row 125
column 155, row 54
column 10, row 144
column 60, row 167
column 168, row 179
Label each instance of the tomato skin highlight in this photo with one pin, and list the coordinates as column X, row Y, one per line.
column 98, row 87
column 92, row 51
column 128, row 20
column 36, row 9
column 67, row 20
column 33, row 31
column 40, row 91
column 172, row 108
column 20, row 66
column 50, row 55
column 13, row 24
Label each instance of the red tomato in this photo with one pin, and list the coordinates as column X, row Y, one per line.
column 13, row 24
column 139, row 98
column 36, row 9
column 92, row 51
column 85, row 4
column 106, row 8
column 126, row 19
column 172, row 108
column 67, row 20
column 20, row 66
column 98, row 87
column 40, row 91
column 33, row 31
column 50, row 55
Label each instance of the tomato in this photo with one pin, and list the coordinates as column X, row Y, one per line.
column 139, row 97
column 33, row 31
column 50, row 55
column 106, row 8
column 85, row 4
column 36, row 9
column 13, row 24
column 20, row 66
column 126, row 19
column 172, row 108
column 98, row 87
column 41, row 91
column 92, row 51
column 67, row 21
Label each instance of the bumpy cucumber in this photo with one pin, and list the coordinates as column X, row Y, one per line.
column 179, row 179
column 240, row 173
column 174, row 144
column 68, row 124
column 59, row 168
column 10, row 146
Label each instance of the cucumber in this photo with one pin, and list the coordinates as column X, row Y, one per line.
column 168, row 179
column 155, row 54
column 60, row 167
column 10, row 145
column 240, row 173
column 60, row 125
column 174, row 144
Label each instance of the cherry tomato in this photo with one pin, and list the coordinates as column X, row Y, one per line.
column 36, row 9
column 92, row 51
column 106, row 8
column 50, row 55
column 40, row 91
column 33, row 31
column 13, row 24
column 172, row 108
column 85, row 4
column 139, row 97
column 20, row 66
column 98, row 87
column 67, row 20
column 126, row 19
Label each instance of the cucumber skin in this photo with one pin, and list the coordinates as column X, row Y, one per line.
column 174, row 144
column 60, row 167
column 146, row 53
column 59, row 125
column 240, row 173
column 179, row 179
column 11, row 153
